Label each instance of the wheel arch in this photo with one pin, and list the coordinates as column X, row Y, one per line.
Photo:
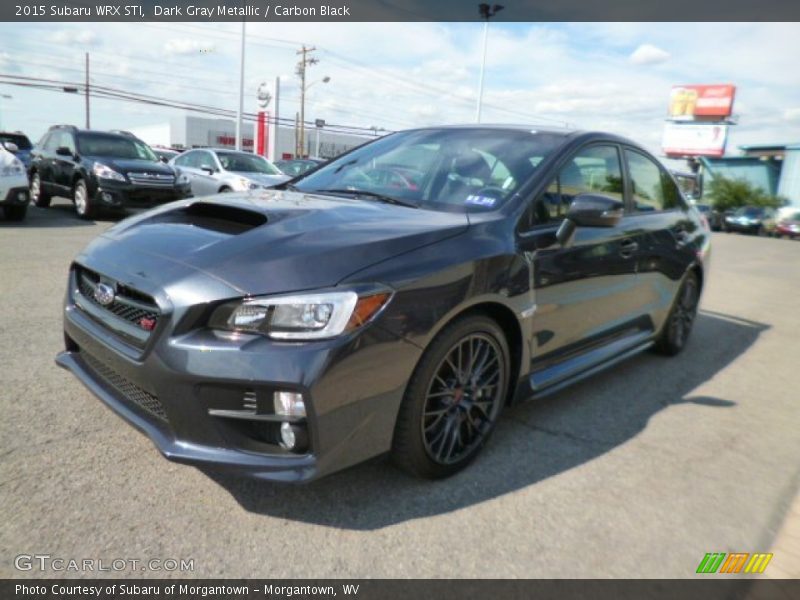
column 508, row 322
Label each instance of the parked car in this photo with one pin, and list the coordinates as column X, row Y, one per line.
column 101, row 170
column 213, row 171
column 751, row 219
column 788, row 224
column 298, row 166
column 21, row 142
column 13, row 184
column 716, row 219
column 164, row 154
column 294, row 332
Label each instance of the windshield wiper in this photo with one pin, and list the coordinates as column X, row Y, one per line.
column 375, row 195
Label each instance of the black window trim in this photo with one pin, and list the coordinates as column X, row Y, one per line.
column 523, row 231
column 630, row 204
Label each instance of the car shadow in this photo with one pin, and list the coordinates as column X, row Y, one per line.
column 60, row 214
column 533, row 441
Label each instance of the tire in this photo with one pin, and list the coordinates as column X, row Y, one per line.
column 761, row 231
column 16, row 213
column 84, row 205
column 39, row 197
column 447, row 416
column 678, row 326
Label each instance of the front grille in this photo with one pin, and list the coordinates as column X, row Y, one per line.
column 152, row 179
column 128, row 390
column 130, row 305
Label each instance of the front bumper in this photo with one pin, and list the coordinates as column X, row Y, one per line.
column 352, row 389
column 112, row 194
column 16, row 196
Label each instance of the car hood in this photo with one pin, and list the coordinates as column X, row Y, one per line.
column 262, row 178
column 134, row 165
column 270, row 241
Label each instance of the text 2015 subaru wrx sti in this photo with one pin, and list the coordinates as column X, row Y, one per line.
column 395, row 299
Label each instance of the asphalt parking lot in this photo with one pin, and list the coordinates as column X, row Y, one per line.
column 637, row 472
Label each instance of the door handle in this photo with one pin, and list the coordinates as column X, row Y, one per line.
column 627, row 247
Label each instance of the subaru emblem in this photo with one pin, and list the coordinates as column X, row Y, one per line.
column 104, row 294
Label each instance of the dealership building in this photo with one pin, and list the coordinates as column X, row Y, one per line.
column 192, row 132
column 775, row 168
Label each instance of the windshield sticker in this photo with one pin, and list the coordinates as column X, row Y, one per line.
column 476, row 200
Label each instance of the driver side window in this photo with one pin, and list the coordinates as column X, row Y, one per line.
column 595, row 169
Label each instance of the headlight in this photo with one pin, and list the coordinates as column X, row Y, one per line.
column 300, row 317
column 246, row 184
column 104, row 172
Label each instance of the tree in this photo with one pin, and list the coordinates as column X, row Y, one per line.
column 728, row 194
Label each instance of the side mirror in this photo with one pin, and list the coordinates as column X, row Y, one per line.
column 164, row 159
column 207, row 169
column 64, row 151
column 11, row 146
column 589, row 210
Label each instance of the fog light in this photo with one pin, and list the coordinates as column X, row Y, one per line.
column 107, row 197
column 288, row 437
column 22, row 197
column 289, row 404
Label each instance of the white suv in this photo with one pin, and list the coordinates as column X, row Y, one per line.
column 14, row 194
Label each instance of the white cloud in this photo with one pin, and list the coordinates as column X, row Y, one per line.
column 647, row 54
column 187, row 46
column 76, row 37
column 792, row 114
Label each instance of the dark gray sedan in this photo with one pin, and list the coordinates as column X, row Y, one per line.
column 395, row 300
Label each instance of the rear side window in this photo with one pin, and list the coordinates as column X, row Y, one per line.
column 653, row 189
column 595, row 169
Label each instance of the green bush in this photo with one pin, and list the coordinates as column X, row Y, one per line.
column 728, row 194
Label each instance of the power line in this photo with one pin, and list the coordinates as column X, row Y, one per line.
column 112, row 93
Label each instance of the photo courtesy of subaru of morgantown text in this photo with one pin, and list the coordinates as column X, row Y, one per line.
column 394, row 300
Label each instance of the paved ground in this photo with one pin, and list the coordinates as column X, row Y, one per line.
column 636, row 473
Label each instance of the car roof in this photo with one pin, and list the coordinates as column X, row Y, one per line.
column 565, row 132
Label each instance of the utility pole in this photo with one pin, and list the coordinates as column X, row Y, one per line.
column 486, row 12
column 300, row 70
column 86, row 91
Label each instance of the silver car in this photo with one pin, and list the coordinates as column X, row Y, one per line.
column 213, row 171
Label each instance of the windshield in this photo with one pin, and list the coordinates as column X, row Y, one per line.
column 22, row 142
column 750, row 211
column 114, row 146
column 242, row 162
column 440, row 169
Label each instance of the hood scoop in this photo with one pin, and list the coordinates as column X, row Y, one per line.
column 220, row 218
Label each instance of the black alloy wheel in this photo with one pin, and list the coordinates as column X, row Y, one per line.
column 453, row 399
column 681, row 318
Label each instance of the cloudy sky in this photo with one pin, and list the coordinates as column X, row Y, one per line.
column 614, row 77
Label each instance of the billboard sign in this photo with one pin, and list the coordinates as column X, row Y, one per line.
column 690, row 101
column 694, row 139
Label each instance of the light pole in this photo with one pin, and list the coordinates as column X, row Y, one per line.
column 325, row 79
column 241, row 95
column 486, row 12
